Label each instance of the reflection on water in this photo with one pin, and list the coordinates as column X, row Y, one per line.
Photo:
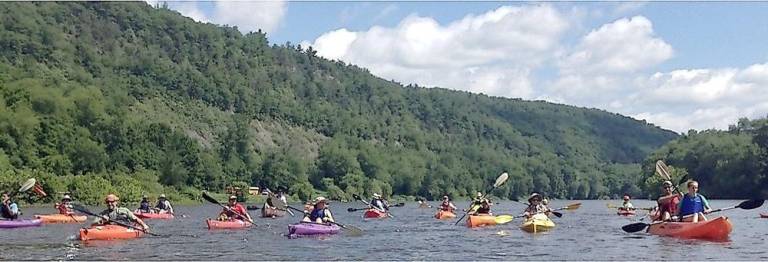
column 591, row 232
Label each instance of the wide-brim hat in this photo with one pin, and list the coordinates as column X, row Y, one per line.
column 533, row 196
column 320, row 199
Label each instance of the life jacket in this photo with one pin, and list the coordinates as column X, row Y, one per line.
column 317, row 213
column 6, row 213
column 65, row 208
column 482, row 209
column 446, row 206
column 144, row 206
column 691, row 205
column 379, row 204
column 161, row 205
column 669, row 204
column 119, row 214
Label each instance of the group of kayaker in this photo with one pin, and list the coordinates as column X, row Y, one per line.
column 163, row 205
column 675, row 206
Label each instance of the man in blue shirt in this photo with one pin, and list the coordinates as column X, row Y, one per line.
column 9, row 210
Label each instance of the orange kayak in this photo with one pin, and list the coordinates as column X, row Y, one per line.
column 481, row 220
column 718, row 228
column 153, row 215
column 443, row 214
column 108, row 232
column 374, row 213
column 231, row 224
column 61, row 218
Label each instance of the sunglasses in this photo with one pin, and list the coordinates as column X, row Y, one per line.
column 110, row 202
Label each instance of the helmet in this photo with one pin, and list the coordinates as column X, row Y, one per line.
column 111, row 198
column 161, row 196
column 533, row 196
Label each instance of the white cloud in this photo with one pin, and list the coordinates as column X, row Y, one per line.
column 246, row 15
column 492, row 53
column 626, row 45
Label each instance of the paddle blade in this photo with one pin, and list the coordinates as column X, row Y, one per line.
column 661, row 169
column 573, row 206
column 27, row 185
column 208, row 198
column 351, row 209
column 276, row 202
column 399, row 204
column 751, row 204
column 682, row 179
column 503, row 219
column 501, row 179
column 82, row 209
column 557, row 214
column 636, row 227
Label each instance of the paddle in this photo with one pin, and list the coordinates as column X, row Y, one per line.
column 746, row 205
column 663, row 171
column 278, row 203
column 609, row 205
column 499, row 181
column 573, row 206
column 352, row 209
column 25, row 186
column 212, row 200
column 351, row 230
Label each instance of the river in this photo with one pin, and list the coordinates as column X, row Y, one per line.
column 593, row 232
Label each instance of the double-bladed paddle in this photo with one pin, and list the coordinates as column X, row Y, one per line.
column 746, row 205
column 499, row 181
column 352, row 209
column 278, row 203
column 214, row 201
column 371, row 206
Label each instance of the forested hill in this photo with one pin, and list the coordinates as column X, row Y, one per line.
column 124, row 97
column 729, row 164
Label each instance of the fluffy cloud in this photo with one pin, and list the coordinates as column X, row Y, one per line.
column 626, row 45
column 491, row 53
column 247, row 16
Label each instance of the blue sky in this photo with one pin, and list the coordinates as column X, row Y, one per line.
column 680, row 65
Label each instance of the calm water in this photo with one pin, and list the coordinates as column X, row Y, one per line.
column 591, row 232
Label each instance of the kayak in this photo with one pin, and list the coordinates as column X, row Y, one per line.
column 623, row 212
column 61, row 218
column 764, row 215
column 481, row 220
column 308, row 228
column 718, row 228
column 423, row 205
column 109, row 232
column 231, row 224
column 537, row 223
column 20, row 223
column 374, row 213
column 273, row 213
column 153, row 215
column 443, row 214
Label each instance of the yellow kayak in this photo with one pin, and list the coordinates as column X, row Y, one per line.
column 538, row 223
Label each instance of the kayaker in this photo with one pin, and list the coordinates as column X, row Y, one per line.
column 447, row 205
column 268, row 205
column 693, row 205
column 320, row 212
column 65, row 207
column 668, row 201
column 232, row 209
column 535, row 206
column 119, row 214
column 163, row 205
column 145, row 206
column 378, row 203
column 281, row 195
column 9, row 209
column 626, row 206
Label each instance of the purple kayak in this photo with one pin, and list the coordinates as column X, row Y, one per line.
column 20, row 223
column 307, row 229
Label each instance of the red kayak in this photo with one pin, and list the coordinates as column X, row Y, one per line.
column 623, row 212
column 153, row 215
column 715, row 229
column 763, row 215
column 374, row 213
column 229, row 224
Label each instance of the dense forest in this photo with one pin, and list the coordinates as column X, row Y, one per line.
column 728, row 164
column 133, row 99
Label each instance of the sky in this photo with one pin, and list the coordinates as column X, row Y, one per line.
column 678, row 65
